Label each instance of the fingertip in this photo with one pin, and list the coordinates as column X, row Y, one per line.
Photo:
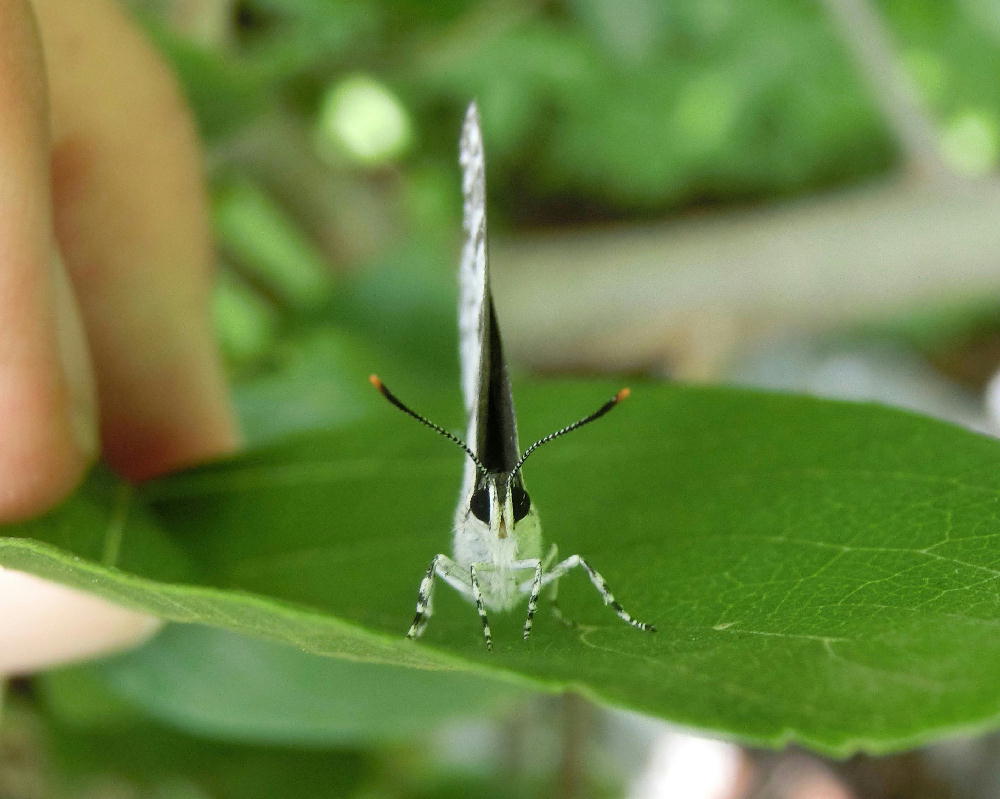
column 142, row 283
column 156, row 438
column 45, row 624
column 47, row 413
column 41, row 464
column 48, row 426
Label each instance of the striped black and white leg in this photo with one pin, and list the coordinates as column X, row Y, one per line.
column 536, row 587
column 551, row 558
column 477, row 595
column 445, row 567
column 602, row 587
column 424, row 600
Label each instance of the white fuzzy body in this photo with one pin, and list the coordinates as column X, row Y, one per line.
column 475, row 544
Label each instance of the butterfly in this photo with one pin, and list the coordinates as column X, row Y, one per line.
column 497, row 548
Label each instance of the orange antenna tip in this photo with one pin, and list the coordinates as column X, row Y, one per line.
column 625, row 393
column 373, row 379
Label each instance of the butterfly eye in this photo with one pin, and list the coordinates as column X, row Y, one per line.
column 480, row 505
column 522, row 502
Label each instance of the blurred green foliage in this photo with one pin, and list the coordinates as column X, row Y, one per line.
column 621, row 108
column 593, row 110
column 589, row 103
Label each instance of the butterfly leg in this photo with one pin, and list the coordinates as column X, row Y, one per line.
column 532, row 588
column 551, row 558
column 477, row 595
column 599, row 583
column 444, row 567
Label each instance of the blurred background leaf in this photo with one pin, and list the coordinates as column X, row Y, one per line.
column 228, row 687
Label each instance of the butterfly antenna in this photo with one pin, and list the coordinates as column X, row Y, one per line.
column 607, row 406
column 384, row 391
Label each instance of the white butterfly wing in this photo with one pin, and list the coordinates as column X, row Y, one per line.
column 472, row 279
column 472, row 271
column 492, row 432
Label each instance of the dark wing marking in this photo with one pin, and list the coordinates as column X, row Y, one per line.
column 492, row 432
column 496, row 438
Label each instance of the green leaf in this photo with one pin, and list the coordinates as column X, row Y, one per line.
column 315, row 380
column 226, row 686
column 90, row 761
column 821, row 572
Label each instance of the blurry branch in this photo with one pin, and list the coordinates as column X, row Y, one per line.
column 24, row 766
column 514, row 731
column 869, row 40
column 577, row 720
column 687, row 296
column 904, row 774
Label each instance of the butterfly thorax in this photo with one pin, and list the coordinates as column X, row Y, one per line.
column 496, row 526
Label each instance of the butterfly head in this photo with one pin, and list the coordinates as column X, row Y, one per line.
column 500, row 501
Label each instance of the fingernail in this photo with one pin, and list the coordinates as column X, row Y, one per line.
column 75, row 357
